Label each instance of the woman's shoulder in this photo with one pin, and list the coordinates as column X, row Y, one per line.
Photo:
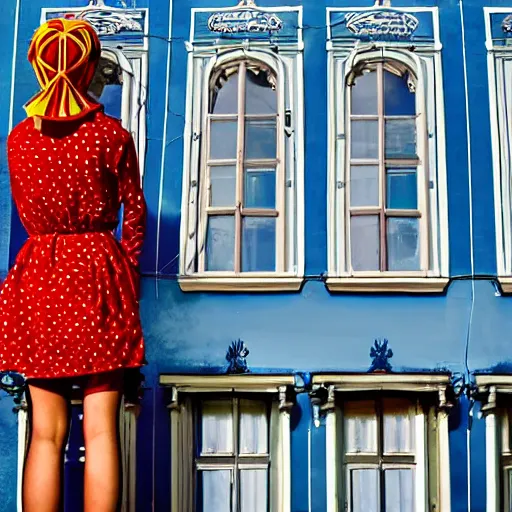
column 113, row 126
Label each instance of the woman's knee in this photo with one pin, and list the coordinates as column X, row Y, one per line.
column 101, row 415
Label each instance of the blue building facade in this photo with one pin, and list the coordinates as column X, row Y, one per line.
column 319, row 175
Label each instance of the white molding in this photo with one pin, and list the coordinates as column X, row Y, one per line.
column 13, row 65
column 22, row 448
column 387, row 284
column 417, row 382
column 331, row 456
column 241, row 284
column 245, row 382
column 420, row 494
column 434, row 226
column 444, row 462
column 286, row 462
column 492, row 473
column 288, row 65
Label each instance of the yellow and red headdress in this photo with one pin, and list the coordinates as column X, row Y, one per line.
column 64, row 54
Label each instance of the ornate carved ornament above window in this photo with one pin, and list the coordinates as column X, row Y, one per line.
column 245, row 17
column 111, row 23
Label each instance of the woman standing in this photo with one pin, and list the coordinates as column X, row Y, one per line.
column 69, row 306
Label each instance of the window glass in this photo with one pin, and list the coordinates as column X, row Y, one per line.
column 225, row 93
column 360, row 426
column 216, row 491
column 258, row 244
column 217, row 427
column 399, row 490
column 365, row 242
column 383, row 171
column 253, row 490
column 107, row 85
column 364, row 94
column 220, row 243
column 243, row 164
column 365, row 490
column 233, row 463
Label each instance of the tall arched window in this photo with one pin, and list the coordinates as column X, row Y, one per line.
column 240, row 188
column 242, row 222
column 383, row 181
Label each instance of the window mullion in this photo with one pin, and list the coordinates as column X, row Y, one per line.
column 240, row 166
column 380, row 446
column 382, row 167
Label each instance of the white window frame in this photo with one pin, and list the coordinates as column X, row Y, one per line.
column 427, row 426
column 425, row 64
column 499, row 57
column 489, row 389
column 185, row 386
column 128, row 414
column 287, row 63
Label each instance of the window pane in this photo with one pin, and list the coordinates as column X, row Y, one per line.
column 364, row 94
column 253, row 427
column 223, row 140
column 260, row 188
column 364, row 185
column 223, row 185
column 360, row 427
column 253, row 490
column 398, row 426
column 217, row 427
column 216, row 491
column 260, row 138
column 399, row 490
column 225, row 100
column 111, row 97
column 365, row 139
column 220, row 243
column 261, row 98
column 403, row 240
column 365, row 490
column 398, row 99
column 402, row 189
column 258, row 244
column 365, row 242
column 400, row 138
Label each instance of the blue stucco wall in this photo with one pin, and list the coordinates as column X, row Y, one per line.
column 465, row 329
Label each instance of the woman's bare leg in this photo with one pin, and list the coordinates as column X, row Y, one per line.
column 49, row 422
column 102, row 454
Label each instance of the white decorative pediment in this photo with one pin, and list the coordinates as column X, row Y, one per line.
column 381, row 23
column 246, row 17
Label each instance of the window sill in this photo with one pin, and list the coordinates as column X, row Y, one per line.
column 396, row 284
column 505, row 284
column 261, row 284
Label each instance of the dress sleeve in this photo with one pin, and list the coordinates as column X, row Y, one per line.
column 132, row 197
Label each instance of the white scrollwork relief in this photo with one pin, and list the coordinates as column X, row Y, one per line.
column 382, row 24
column 107, row 22
column 244, row 20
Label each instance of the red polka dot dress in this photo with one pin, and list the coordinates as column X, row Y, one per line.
column 69, row 305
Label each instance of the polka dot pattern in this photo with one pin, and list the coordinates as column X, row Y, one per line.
column 69, row 306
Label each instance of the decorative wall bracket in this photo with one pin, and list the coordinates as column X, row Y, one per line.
column 13, row 384
column 380, row 354
column 245, row 17
column 381, row 24
column 506, row 25
column 323, row 401
column 236, row 357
